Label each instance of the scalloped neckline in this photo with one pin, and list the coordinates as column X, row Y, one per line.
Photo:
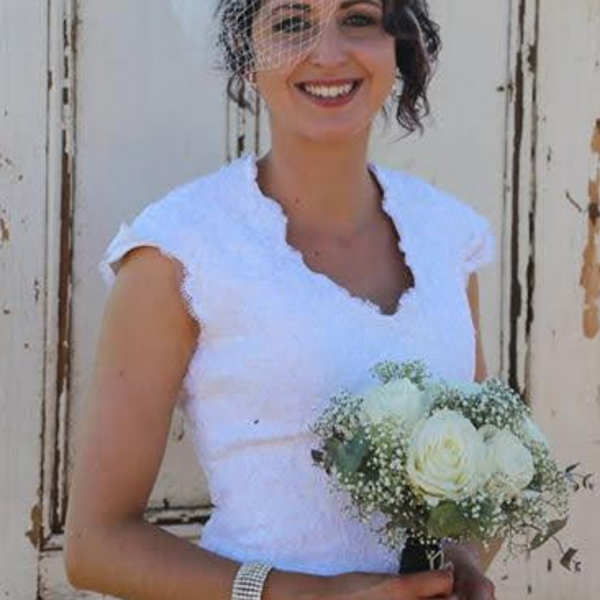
column 251, row 172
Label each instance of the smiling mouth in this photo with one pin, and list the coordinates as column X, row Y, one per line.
column 329, row 91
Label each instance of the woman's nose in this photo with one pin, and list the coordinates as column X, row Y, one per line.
column 329, row 49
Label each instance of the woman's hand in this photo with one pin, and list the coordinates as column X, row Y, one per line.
column 375, row 586
column 470, row 582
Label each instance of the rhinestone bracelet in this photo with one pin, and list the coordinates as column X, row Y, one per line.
column 249, row 580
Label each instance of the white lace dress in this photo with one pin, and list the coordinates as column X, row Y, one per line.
column 278, row 339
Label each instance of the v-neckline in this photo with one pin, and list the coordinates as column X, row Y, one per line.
column 388, row 206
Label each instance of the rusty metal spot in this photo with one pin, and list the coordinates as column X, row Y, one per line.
column 590, row 271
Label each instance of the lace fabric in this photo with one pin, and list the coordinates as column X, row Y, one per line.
column 279, row 339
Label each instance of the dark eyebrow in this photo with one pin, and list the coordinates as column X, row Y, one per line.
column 349, row 3
column 292, row 6
column 307, row 8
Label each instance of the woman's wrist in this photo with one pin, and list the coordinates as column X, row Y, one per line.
column 290, row 585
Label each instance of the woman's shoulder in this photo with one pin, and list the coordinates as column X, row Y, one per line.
column 196, row 200
column 427, row 196
column 191, row 217
column 438, row 214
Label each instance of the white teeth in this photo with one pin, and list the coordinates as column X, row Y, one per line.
column 328, row 91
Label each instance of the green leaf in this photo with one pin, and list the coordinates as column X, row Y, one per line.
column 536, row 483
column 447, row 520
column 349, row 456
column 480, row 526
column 553, row 528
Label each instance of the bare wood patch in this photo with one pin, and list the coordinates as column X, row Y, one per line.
column 590, row 271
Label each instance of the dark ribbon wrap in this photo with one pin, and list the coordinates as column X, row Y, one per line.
column 414, row 557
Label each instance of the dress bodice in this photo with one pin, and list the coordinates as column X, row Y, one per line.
column 279, row 339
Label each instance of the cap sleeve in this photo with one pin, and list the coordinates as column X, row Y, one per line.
column 479, row 246
column 127, row 239
column 156, row 225
column 163, row 224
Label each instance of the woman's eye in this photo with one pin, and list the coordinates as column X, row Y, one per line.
column 291, row 25
column 359, row 20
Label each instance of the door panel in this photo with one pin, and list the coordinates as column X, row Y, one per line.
column 113, row 105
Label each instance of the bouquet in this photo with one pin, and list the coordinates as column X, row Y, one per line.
column 444, row 462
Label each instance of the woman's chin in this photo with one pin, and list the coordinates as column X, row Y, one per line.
column 330, row 133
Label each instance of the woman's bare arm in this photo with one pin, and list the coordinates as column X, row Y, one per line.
column 480, row 363
column 474, row 547
column 147, row 339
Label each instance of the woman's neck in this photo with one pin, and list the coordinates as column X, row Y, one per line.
column 323, row 189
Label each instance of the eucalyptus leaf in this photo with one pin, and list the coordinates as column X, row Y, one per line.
column 553, row 528
column 478, row 527
column 350, row 455
column 447, row 520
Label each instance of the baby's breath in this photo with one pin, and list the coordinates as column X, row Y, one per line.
column 367, row 462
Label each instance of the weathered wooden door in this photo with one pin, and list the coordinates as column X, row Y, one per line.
column 104, row 106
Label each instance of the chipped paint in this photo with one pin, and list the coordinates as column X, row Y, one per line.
column 57, row 477
column 6, row 162
column 524, row 105
column 4, row 231
column 515, row 285
column 9, row 171
column 596, row 138
column 532, row 61
column 590, row 271
column 35, row 534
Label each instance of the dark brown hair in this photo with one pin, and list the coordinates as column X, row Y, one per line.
column 417, row 48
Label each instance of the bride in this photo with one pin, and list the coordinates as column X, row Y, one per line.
column 250, row 295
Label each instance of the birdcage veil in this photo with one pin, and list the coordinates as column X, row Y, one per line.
column 246, row 36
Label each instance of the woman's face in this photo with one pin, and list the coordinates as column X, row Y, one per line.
column 338, row 65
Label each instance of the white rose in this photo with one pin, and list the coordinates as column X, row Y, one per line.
column 532, row 433
column 508, row 460
column 397, row 398
column 446, row 458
